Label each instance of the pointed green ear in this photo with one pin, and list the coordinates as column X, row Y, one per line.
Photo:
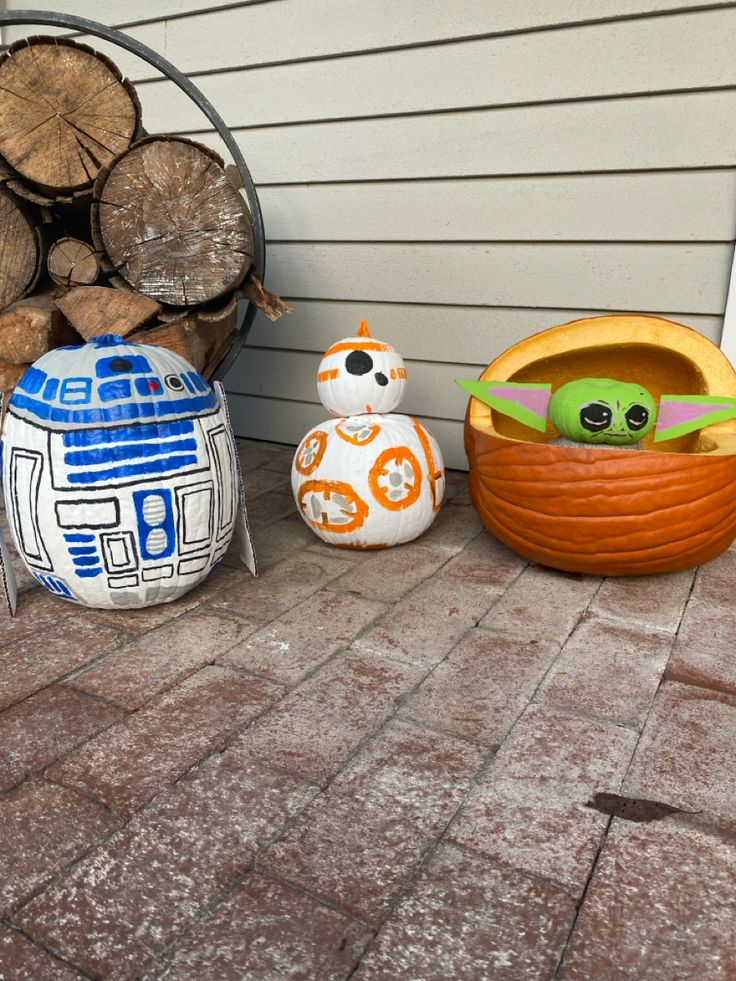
column 682, row 414
column 527, row 403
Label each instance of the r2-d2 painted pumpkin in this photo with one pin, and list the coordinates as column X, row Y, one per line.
column 119, row 473
column 369, row 478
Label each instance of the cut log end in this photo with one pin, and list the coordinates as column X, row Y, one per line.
column 72, row 262
column 21, row 248
column 65, row 111
column 171, row 222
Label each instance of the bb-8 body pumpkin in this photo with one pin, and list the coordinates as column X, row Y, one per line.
column 369, row 478
column 119, row 473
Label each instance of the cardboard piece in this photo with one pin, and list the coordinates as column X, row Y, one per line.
column 8, row 584
column 241, row 536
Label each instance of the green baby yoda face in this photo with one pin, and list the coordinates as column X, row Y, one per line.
column 603, row 410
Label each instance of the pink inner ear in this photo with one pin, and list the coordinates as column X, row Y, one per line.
column 676, row 413
column 535, row 399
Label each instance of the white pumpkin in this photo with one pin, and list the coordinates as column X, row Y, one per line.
column 361, row 374
column 368, row 481
column 119, row 473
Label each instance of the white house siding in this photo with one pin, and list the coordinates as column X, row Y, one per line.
column 461, row 173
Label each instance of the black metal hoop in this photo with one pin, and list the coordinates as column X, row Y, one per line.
column 85, row 26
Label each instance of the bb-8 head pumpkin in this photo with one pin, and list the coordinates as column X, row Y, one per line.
column 369, row 478
column 361, row 374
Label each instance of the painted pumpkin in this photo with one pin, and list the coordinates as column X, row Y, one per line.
column 368, row 481
column 614, row 513
column 119, row 473
column 361, row 374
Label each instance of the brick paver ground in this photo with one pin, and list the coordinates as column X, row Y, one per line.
column 372, row 764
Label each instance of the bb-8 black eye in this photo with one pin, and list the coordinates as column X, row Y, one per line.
column 174, row 382
column 358, row 363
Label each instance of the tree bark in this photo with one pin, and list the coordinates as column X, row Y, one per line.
column 21, row 248
column 65, row 111
column 171, row 222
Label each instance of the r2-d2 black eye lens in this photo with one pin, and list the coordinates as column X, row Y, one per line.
column 358, row 363
column 174, row 382
column 120, row 364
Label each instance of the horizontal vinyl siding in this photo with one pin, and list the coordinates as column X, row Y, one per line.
column 462, row 174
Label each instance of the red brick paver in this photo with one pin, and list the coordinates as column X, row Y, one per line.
column 371, row 765
column 266, row 929
column 360, row 841
column 466, row 919
column 129, row 899
column 134, row 674
column 704, row 650
column 529, row 810
column 44, row 828
column 608, row 670
column 687, row 755
column 22, row 960
column 661, row 905
column 132, row 761
column 47, row 726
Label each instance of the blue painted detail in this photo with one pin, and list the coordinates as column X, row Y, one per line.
column 123, row 364
column 33, row 381
column 86, row 560
column 188, row 382
column 57, row 586
column 106, row 340
column 130, row 451
column 76, row 391
column 164, row 465
column 198, row 381
column 78, row 536
column 119, row 389
column 147, row 501
column 149, row 386
column 144, row 431
column 114, row 413
column 52, row 387
column 88, row 573
column 83, row 550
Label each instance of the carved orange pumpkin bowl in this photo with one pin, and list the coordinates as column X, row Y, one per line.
column 608, row 512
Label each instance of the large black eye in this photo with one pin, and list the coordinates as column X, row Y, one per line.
column 637, row 416
column 358, row 363
column 174, row 382
column 120, row 364
column 595, row 417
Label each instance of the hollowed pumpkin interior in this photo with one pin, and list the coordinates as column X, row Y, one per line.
column 668, row 359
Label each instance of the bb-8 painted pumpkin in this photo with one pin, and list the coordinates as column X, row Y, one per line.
column 119, row 473
column 367, row 479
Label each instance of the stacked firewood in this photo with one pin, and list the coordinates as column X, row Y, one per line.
column 105, row 229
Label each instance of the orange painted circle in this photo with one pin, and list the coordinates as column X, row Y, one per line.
column 309, row 455
column 332, row 505
column 358, row 436
column 396, row 478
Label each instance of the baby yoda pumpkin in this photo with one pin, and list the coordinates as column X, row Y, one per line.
column 602, row 412
column 555, row 495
